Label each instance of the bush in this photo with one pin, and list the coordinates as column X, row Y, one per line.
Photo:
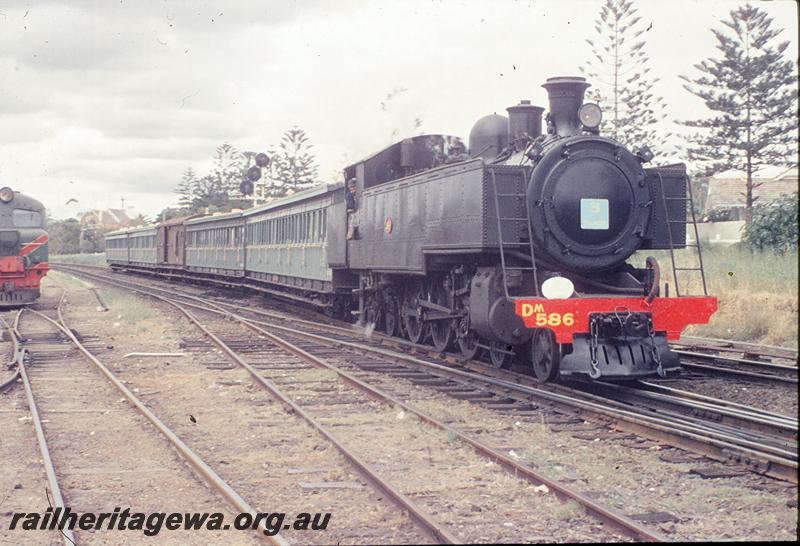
column 721, row 214
column 774, row 226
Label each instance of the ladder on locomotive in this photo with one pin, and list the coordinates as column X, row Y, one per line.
column 688, row 201
column 506, row 246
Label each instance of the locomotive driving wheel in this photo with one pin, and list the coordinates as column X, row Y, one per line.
column 466, row 338
column 545, row 354
column 442, row 331
column 415, row 326
column 500, row 354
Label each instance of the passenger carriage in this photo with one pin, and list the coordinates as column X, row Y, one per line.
column 215, row 245
column 290, row 241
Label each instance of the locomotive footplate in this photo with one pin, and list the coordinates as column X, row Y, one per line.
column 620, row 345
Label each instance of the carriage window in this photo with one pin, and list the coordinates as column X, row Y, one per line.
column 312, row 227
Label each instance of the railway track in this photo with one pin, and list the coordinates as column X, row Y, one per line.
column 740, row 347
column 264, row 355
column 764, row 442
column 721, row 430
column 70, row 407
column 748, row 361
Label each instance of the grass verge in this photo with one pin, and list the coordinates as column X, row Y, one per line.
column 80, row 259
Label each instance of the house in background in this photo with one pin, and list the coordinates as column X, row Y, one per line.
column 96, row 223
column 724, row 202
column 726, row 192
column 106, row 219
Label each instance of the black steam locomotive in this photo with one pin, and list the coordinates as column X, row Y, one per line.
column 517, row 248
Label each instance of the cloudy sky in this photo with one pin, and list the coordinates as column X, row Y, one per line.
column 101, row 100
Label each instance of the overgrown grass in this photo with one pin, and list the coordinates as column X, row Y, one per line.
column 127, row 309
column 569, row 510
column 66, row 278
column 80, row 259
column 757, row 292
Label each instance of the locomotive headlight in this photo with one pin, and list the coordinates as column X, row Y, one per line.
column 6, row 194
column 590, row 115
column 557, row 288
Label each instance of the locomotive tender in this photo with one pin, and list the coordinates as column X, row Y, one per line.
column 23, row 248
column 518, row 249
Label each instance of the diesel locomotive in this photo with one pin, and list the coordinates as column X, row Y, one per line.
column 23, row 248
column 517, row 249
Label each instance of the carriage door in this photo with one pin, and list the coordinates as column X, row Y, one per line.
column 162, row 244
column 176, row 256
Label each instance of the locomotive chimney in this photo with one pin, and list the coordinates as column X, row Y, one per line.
column 524, row 119
column 566, row 97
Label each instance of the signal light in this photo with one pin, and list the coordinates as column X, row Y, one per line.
column 246, row 187
column 253, row 174
column 262, row 160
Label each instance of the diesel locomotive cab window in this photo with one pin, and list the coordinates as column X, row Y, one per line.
column 27, row 218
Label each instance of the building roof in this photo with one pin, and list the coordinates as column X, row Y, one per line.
column 727, row 189
column 107, row 218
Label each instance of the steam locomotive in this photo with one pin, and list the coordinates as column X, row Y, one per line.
column 518, row 249
column 23, row 248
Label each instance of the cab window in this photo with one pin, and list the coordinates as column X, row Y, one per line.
column 27, row 218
